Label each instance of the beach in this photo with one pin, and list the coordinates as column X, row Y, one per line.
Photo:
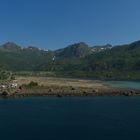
column 49, row 86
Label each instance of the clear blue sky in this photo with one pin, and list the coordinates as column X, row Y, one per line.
column 57, row 23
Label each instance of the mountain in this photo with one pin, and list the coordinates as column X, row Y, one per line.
column 78, row 50
column 79, row 60
column 15, row 58
column 10, row 46
column 96, row 49
column 120, row 62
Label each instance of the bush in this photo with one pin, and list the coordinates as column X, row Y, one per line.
column 5, row 75
column 32, row 84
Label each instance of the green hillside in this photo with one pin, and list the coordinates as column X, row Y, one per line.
column 118, row 62
column 78, row 50
column 16, row 58
column 78, row 60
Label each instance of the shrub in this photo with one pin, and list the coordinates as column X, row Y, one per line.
column 33, row 84
column 5, row 75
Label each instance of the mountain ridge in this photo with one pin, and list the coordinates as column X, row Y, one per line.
column 78, row 59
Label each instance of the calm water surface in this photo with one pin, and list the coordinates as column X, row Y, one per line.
column 70, row 118
column 124, row 84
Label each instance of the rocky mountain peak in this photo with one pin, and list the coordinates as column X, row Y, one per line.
column 10, row 46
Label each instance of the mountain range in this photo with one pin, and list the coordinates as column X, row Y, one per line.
column 78, row 60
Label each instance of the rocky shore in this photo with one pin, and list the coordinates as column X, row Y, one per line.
column 65, row 87
column 71, row 91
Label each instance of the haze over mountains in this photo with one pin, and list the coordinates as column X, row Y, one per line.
column 77, row 59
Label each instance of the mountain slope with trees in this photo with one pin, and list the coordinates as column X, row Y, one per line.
column 79, row 60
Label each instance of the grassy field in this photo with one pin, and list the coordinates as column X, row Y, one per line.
column 49, row 81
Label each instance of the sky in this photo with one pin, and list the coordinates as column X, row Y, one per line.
column 54, row 24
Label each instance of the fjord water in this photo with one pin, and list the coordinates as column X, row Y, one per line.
column 70, row 118
column 124, row 84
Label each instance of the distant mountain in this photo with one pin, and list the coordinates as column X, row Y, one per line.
column 10, row 46
column 80, row 60
column 120, row 62
column 15, row 58
column 96, row 49
column 78, row 50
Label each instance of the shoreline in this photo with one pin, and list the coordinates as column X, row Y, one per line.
column 71, row 92
column 65, row 87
